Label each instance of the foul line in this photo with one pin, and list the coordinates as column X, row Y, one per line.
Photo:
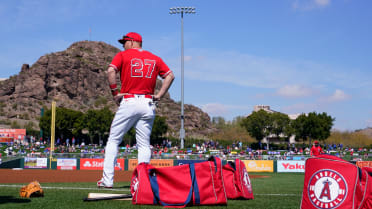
column 123, row 190
column 69, row 188
column 279, row 194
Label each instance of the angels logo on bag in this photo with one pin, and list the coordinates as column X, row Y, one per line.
column 134, row 186
column 327, row 189
column 247, row 181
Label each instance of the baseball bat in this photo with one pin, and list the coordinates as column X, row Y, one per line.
column 106, row 196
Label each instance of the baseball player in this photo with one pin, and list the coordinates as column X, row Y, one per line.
column 138, row 71
column 316, row 149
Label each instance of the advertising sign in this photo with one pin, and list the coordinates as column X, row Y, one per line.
column 8, row 135
column 97, row 164
column 33, row 162
column 14, row 133
column 259, row 165
column 66, row 164
column 294, row 166
column 362, row 164
column 156, row 163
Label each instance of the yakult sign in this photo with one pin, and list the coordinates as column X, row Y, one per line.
column 294, row 166
column 97, row 164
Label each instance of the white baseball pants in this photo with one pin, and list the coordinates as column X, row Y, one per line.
column 138, row 112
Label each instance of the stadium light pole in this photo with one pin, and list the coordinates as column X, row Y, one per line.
column 182, row 11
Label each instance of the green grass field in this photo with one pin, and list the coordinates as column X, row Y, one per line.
column 278, row 191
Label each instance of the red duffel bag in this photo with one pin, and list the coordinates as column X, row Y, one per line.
column 178, row 186
column 331, row 182
column 237, row 182
column 366, row 184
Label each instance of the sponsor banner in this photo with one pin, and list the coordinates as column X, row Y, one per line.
column 362, row 164
column 259, row 165
column 181, row 162
column 295, row 166
column 97, row 164
column 5, row 139
column 33, row 162
column 13, row 133
column 66, row 164
column 298, row 158
column 156, row 163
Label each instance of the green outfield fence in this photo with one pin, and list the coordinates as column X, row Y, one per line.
column 127, row 161
column 95, row 162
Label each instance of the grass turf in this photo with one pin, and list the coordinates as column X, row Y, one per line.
column 277, row 191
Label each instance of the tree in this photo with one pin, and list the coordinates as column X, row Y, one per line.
column 256, row 124
column 262, row 124
column 219, row 122
column 64, row 124
column 30, row 129
column 276, row 126
column 313, row 126
column 159, row 128
column 98, row 122
column 281, row 124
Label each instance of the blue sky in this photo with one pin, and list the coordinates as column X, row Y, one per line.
column 297, row 56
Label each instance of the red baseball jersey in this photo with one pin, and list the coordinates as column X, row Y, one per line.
column 139, row 70
column 316, row 151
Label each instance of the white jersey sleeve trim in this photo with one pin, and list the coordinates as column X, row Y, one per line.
column 113, row 66
column 165, row 75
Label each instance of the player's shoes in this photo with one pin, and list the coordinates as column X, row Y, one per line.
column 100, row 184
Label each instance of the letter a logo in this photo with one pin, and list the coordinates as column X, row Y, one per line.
column 326, row 191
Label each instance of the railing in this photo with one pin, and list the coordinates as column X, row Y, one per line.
column 175, row 156
column 180, row 156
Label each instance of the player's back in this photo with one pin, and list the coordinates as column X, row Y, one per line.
column 139, row 71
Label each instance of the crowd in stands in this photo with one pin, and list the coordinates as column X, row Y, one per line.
column 39, row 147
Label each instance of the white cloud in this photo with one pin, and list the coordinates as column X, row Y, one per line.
column 319, row 104
column 260, row 72
column 247, row 70
column 187, row 58
column 338, row 95
column 369, row 121
column 238, row 68
column 299, row 108
column 322, row 2
column 215, row 109
column 294, row 91
column 306, row 5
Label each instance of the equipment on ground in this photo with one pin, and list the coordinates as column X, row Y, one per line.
column 107, row 196
column 33, row 189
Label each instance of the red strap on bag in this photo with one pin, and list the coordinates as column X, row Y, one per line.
column 178, row 186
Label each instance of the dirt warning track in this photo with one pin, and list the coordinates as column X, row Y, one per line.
column 54, row 176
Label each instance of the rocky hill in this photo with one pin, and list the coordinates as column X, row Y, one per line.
column 366, row 131
column 76, row 79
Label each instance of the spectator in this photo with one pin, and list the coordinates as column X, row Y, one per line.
column 316, row 149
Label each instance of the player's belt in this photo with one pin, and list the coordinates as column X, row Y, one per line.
column 126, row 96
